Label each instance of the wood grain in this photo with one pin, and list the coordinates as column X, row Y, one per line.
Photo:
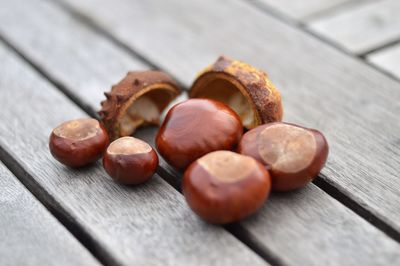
column 363, row 27
column 328, row 230
column 71, row 44
column 142, row 225
column 29, row 234
column 322, row 232
column 387, row 59
column 300, row 10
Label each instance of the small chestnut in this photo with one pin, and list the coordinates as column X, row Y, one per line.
column 196, row 127
column 130, row 160
column 224, row 187
column 294, row 155
column 78, row 142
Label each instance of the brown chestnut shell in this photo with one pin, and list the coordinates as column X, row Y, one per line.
column 130, row 161
column 196, row 127
column 294, row 155
column 78, row 142
column 136, row 100
column 224, row 187
column 245, row 89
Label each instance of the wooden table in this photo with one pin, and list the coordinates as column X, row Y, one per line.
column 337, row 64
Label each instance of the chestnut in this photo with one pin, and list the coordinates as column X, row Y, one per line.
column 196, row 127
column 78, row 142
column 224, row 187
column 130, row 161
column 294, row 155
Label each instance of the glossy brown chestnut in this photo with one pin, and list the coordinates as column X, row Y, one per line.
column 294, row 155
column 78, row 142
column 130, row 160
column 224, row 187
column 196, row 127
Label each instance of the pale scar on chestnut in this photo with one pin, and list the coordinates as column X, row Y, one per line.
column 227, row 166
column 128, row 146
column 287, row 148
column 79, row 129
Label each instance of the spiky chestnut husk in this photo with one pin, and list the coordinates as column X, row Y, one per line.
column 156, row 87
column 245, row 89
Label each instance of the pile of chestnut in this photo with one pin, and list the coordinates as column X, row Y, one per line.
column 227, row 175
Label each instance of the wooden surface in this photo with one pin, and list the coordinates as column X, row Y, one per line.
column 84, row 47
column 363, row 27
column 316, row 86
column 387, row 59
column 143, row 225
column 29, row 234
column 72, row 83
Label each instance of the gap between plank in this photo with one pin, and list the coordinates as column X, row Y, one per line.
column 381, row 47
column 367, row 215
column 243, row 235
column 56, row 209
column 384, row 71
column 68, row 222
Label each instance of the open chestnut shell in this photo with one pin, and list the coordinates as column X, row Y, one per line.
column 130, row 161
column 137, row 100
column 78, row 142
column 293, row 155
column 196, row 127
column 247, row 90
column 224, row 187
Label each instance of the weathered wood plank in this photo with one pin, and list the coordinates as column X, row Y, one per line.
column 361, row 28
column 299, row 10
column 321, row 233
column 321, row 87
column 143, row 225
column 29, row 234
column 387, row 59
